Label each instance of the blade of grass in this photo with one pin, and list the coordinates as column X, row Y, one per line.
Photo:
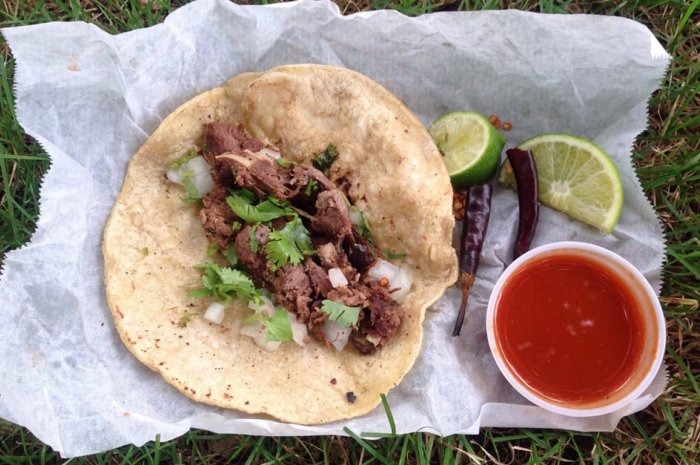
column 366, row 446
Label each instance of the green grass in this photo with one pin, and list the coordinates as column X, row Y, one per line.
column 667, row 157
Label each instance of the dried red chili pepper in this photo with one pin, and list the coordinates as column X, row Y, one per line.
column 476, row 221
column 525, row 171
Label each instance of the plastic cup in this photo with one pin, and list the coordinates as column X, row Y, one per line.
column 650, row 314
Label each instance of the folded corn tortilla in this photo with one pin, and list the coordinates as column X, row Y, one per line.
column 153, row 240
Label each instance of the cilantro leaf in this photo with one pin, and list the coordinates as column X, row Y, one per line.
column 278, row 327
column 394, row 255
column 300, row 234
column 342, row 314
column 283, row 162
column 242, row 204
column 199, row 293
column 193, row 194
column 181, row 160
column 224, row 284
column 233, row 276
column 230, row 255
column 364, row 228
column 212, row 248
column 289, row 244
column 311, row 187
column 282, row 251
column 277, row 324
column 325, row 159
column 253, row 239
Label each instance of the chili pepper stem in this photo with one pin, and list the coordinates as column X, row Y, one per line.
column 466, row 281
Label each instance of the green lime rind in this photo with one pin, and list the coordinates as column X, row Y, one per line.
column 470, row 145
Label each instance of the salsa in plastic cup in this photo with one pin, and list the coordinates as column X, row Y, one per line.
column 576, row 329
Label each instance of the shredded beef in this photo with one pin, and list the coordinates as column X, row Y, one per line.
column 332, row 217
column 319, row 278
column 360, row 339
column 380, row 321
column 319, row 177
column 221, row 169
column 360, row 252
column 292, row 288
column 222, row 138
column 331, row 256
column 315, row 326
column 239, row 161
column 216, row 216
column 254, row 262
column 351, row 295
column 264, row 177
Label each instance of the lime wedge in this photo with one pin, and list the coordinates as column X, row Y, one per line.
column 470, row 146
column 575, row 177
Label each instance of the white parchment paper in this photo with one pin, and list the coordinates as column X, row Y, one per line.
column 91, row 99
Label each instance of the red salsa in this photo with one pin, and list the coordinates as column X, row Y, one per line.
column 569, row 328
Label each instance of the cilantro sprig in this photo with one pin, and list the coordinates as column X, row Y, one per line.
column 181, row 160
column 289, row 244
column 192, row 195
column 362, row 223
column 342, row 314
column 325, row 159
column 243, row 204
column 278, row 327
column 224, row 284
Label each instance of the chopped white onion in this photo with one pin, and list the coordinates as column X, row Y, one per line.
column 336, row 334
column 215, row 313
column 258, row 333
column 198, row 171
column 198, row 165
column 203, row 184
column 256, row 330
column 266, row 307
column 402, row 283
column 174, row 176
column 337, row 278
column 383, row 269
column 355, row 215
column 300, row 333
column 400, row 278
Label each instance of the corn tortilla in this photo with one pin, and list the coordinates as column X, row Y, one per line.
column 153, row 240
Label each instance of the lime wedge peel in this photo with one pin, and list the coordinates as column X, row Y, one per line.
column 575, row 177
column 470, row 145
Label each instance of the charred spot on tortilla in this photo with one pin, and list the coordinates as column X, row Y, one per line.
column 296, row 111
column 351, row 397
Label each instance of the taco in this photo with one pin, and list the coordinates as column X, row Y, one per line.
column 314, row 181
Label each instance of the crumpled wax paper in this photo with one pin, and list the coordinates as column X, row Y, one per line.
column 91, row 99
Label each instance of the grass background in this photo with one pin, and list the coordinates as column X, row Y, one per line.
column 667, row 156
